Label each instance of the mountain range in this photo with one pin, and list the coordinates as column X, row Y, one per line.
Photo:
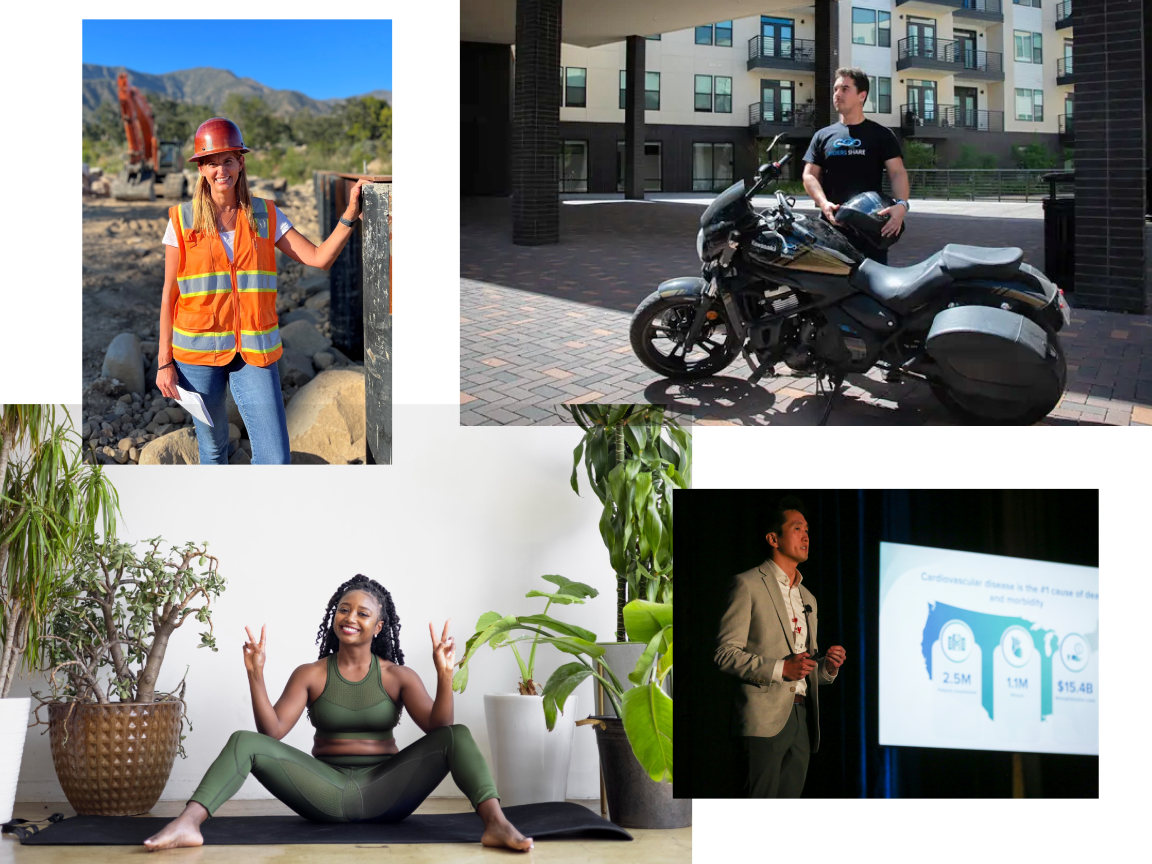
column 203, row 86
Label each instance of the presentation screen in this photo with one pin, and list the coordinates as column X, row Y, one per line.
column 984, row 652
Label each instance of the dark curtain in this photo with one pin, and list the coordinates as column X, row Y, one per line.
column 720, row 533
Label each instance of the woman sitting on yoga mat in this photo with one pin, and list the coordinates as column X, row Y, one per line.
column 354, row 694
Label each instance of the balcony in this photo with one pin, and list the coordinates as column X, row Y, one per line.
column 1067, row 135
column 1064, row 71
column 1064, row 14
column 935, row 5
column 947, row 121
column 980, row 10
column 945, row 55
column 768, row 120
column 796, row 55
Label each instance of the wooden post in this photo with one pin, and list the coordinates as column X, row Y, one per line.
column 377, row 320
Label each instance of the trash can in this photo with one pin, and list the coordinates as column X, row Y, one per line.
column 1060, row 230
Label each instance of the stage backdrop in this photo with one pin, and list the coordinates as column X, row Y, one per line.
column 721, row 533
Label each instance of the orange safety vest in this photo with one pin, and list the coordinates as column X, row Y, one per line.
column 224, row 304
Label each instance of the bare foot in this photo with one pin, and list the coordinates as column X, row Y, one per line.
column 501, row 832
column 184, row 830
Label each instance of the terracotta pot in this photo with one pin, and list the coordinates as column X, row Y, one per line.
column 113, row 760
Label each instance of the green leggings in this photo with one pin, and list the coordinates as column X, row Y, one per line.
column 378, row 788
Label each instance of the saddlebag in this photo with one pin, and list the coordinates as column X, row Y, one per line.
column 992, row 353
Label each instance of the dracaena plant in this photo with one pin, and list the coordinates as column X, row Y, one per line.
column 495, row 630
column 634, row 458
column 112, row 627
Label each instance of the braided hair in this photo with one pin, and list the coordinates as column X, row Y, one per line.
column 386, row 643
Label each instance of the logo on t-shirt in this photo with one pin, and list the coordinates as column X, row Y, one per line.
column 847, row 147
column 846, row 142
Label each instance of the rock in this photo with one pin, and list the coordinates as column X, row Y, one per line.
column 233, row 433
column 326, row 419
column 86, row 431
column 150, row 348
column 120, row 410
column 161, row 417
column 295, row 367
column 148, row 416
column 121, row 457
column 308, row 315
column 175, row 448
column 178, row 415
column 280, row 184
column 125, row 444
column 313, row 284
column 340, row 356
column 303, row 336
column 158, row 403
column 124, row 361
column 240, row 457
column 134, row 454
column 126, row 399
column 319, row 301
column 322, row 360
column 233, row 409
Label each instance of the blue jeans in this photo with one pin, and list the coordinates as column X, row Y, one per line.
column 256, row 390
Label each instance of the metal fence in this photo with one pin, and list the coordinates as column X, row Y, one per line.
column 976, row 184
column 792, row 50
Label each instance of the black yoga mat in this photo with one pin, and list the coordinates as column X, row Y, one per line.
column 551, row 820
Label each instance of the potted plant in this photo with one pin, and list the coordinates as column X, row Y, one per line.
column 529, row 759
column 114, row 734
column 634, row 458
column 50, row 502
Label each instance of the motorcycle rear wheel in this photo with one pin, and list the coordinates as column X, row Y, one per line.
column 980, row 411
column 659, row 326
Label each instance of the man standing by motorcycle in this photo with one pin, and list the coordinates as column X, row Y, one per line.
column 848, row 158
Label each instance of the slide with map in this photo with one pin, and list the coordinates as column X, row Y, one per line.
column 985, row 652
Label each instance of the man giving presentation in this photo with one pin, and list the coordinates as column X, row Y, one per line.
column 766, row 638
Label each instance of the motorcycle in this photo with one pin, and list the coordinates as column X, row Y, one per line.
column 977, row 324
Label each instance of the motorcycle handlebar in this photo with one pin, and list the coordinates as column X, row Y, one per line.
column 767, row 173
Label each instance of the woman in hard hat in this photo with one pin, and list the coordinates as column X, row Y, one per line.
column 218, row 321
column 355, row 695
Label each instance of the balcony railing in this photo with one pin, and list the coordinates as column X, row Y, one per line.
column 1067, row 130
column 1064, row 14
column 781, row 54
column 1064, row 70
column 945, row 119
column 773, row 114
column 949, row 55
column 984, row 10
column 980, row 184
column 951, row 4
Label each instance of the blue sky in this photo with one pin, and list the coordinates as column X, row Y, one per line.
column 321, row 59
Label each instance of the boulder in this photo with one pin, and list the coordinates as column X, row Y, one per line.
column 295, row 368
column 326, row 419
column 308, row 315
column 322, row 360
column 318, row 301
column 303, row 336
column 175, row 448
column 312, row 284
column 124, row 361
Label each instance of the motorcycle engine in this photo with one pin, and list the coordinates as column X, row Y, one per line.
column 801, row 355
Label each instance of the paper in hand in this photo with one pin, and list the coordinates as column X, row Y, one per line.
column 193, row 404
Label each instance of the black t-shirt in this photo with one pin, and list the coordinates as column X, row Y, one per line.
column 852, row 157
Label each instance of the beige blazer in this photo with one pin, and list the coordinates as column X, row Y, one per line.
column 755, row 632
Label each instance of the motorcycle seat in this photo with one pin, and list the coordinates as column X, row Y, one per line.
column 903, row 289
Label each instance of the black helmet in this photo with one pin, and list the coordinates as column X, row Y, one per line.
column 858, row 214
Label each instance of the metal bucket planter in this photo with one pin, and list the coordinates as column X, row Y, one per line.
column 114, row 759
column 530, row 763
column 635, row 800
column 13, row 728
column 621, row 658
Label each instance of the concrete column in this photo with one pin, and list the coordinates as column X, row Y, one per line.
column 536, row 124
column 827, row 59
column 377, row 268
column 634, row 118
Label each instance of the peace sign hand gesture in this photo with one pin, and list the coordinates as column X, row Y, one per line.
column 443, row 650
column 254, row 652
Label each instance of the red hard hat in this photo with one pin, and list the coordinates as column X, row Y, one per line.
column 217, row 136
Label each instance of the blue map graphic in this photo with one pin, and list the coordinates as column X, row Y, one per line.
column 987, row 630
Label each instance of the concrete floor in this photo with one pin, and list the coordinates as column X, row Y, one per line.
column 648, row 846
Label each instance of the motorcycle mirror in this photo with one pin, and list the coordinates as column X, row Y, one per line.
column 763, row 169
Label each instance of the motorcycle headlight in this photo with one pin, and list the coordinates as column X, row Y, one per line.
column 700, row 244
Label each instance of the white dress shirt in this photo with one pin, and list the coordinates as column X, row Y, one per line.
column 795, row 602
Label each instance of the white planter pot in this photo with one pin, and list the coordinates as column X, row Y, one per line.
column 529, row 763
column 13, row 729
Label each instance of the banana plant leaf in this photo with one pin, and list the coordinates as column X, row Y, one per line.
column 648, row 724
column 559, row 687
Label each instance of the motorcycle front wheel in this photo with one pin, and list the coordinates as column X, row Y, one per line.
column 981, row 411
column 659, row 327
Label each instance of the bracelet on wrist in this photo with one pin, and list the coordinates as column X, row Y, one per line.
column 166, row 365
column 344, row 220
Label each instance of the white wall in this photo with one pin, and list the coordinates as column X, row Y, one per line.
column 465, row 522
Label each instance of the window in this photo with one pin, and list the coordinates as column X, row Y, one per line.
column 1035, row 4
column 574, row 166
column 1037, row 48
column 879, row 96
column 723, row 95
column 703, row 92
column 884, row 29
column 651, row 90
column 724, row 33
column 712, row 168
column 575, row 89
column 704, row 35
column 651, row 166
column 863, row 26
column 1029, row 104
column 1029, row 46
column 656, row 37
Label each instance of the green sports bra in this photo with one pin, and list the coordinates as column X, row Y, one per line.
column 354, row 709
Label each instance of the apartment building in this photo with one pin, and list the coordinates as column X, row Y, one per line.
column 949, row 73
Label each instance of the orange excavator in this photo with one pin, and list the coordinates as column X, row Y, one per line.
column 153, row 166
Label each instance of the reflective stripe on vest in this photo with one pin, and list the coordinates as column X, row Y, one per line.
column 255, row 280
column 260, row 211
column 203, row 343
column 208, row 283
column 260, row 341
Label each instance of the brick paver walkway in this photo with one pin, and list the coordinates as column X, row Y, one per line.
column 547, row 325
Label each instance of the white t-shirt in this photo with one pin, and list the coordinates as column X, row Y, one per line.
column 282, row 226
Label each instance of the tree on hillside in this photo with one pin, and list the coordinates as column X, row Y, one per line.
column 106, row 124
column 260, row 127
column 367, row 119
column 177, row 121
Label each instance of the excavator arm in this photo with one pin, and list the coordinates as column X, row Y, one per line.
column 137, row 180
